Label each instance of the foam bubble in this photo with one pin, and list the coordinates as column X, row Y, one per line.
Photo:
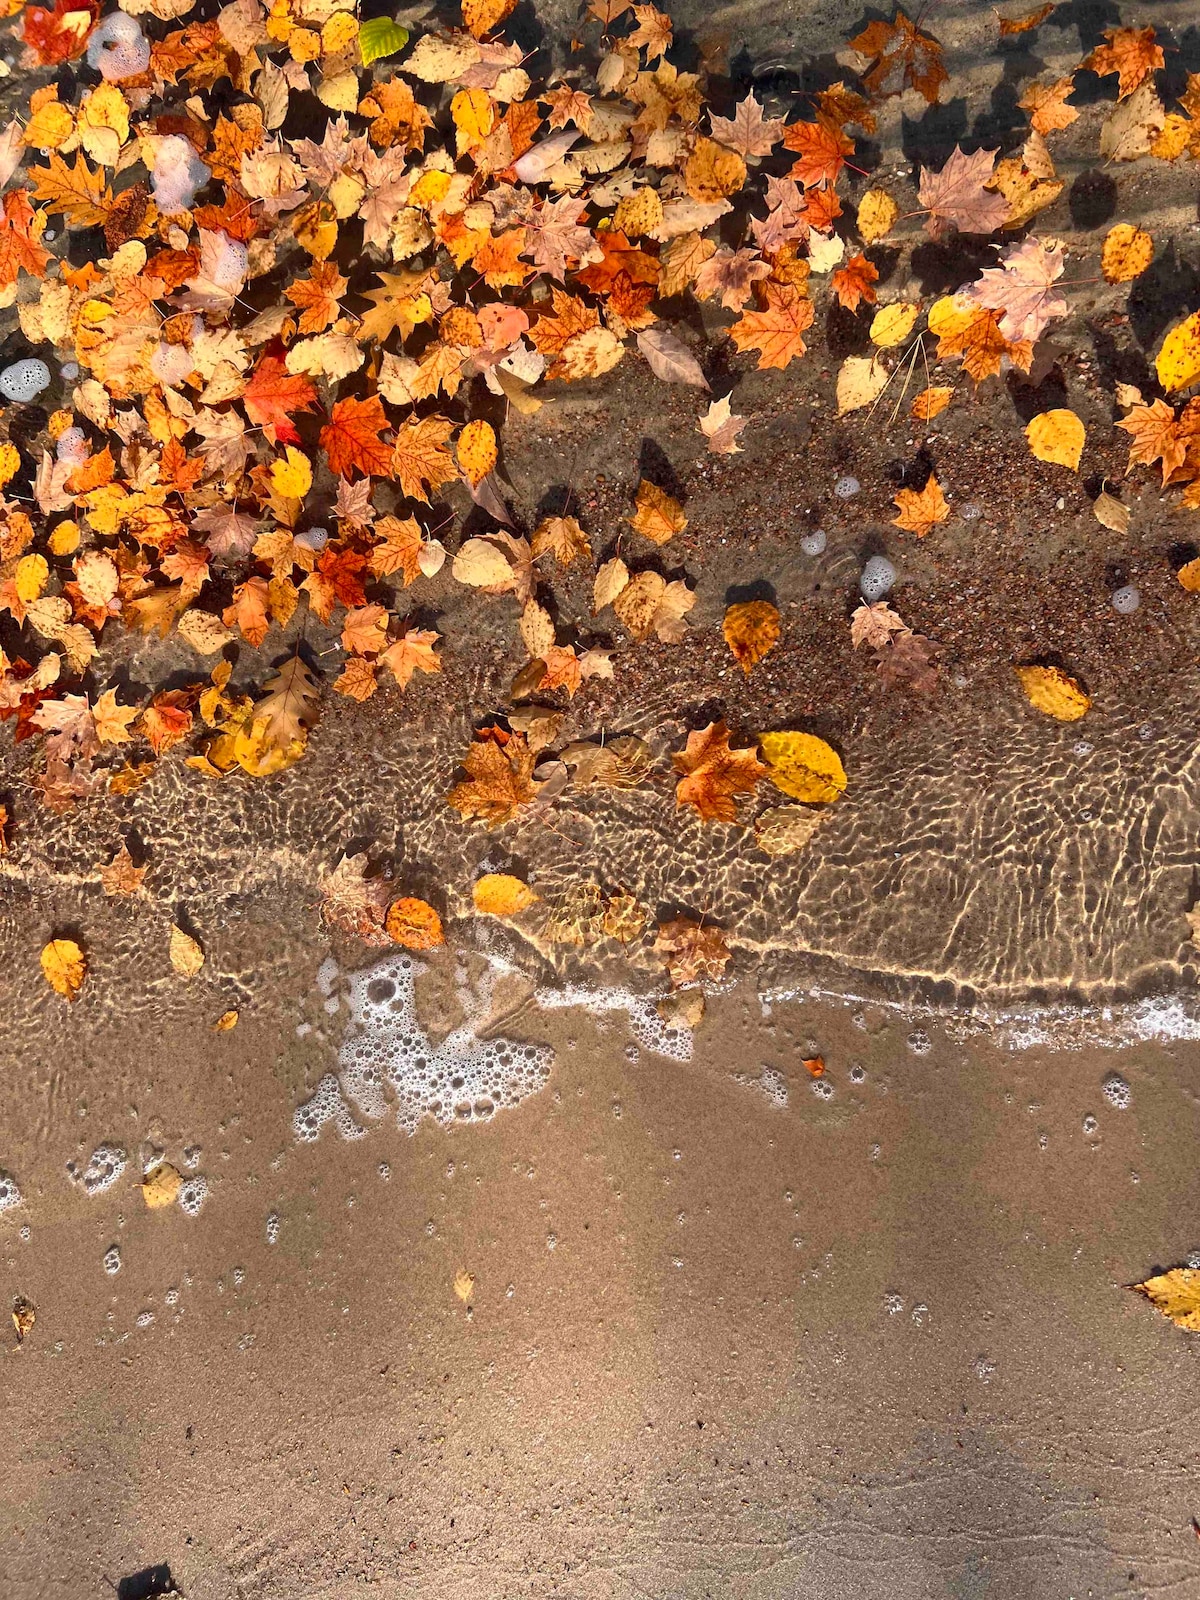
column 647, row 1027
column 10, row 1194
column 193, row 1192
column 112, row 1260
column 1117, row 1092
column 326, row 1105
column 273, row 1228
column 22, row 380
column 105, row 1165
column 462, row 1079
column 118, row 48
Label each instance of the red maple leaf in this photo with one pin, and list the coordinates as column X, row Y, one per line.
column 351, row 438
column 58, row 35
column 18, row 249
column 823, row 150
column 273, row 394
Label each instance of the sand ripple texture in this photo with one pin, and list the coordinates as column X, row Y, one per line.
column 1014, row 860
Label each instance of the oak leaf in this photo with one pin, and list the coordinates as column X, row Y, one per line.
column 714, row 773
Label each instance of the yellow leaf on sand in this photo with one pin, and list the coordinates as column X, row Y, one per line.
column 1057, row 437
column 499, row 894
column 877, row 213
column 751, row 630
column 225, row 1022
column 64, row 967
column 464, row 1284
column 930, row 403
column 1189, row 575
column 803, row 766
column 186, row 955
column 1127, row 252
column 921, row 510
column 891, row 325
column 658, row 516
column 861, row 380
column 414, row 924
column 1176, row 1294
column 1178, row 364
column 1055, row 692
column 161, row 1186
column 476, row 451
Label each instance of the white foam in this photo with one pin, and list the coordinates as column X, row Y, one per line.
column 105, row 1165
column 193, row 1192
column 647, row 1027
column 10, row 1194
column 462, row 1079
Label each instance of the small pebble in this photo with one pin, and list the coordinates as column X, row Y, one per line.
column 1126, row 600
column 813, row 544
column 878, row 576
column 846, row 488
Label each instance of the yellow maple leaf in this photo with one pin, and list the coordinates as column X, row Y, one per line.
column 921, row 510
column 78, row 192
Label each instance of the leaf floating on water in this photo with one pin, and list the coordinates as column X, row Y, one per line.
column 1054, row 691
column 814, row 1066
column 691, row 951
column 1176, row 1294
column 751, row 631
column 414, row 924
column 186, row 955
column 64, row 967
column 499, row 894
column 24, row 1315
column 714, row 773
column 804, row 767
column 161, row 1186
column 783, row 830
column 658, row 516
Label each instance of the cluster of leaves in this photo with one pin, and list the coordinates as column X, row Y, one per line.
column 279, row 352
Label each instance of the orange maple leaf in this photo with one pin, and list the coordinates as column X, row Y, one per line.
column 273, row 395
column 420, row 458
column 855, row 283
column 318, row 294
column 351, row 438
column 248, row 611
column 19, row 250
column 902, row 58
column 823, row 150
column 499, row 778
column 921, row 510
column 1155, row 435
column 713, row 773
column 619, row 256
column 776, row 330
column 1131, row 53
column 497, row 259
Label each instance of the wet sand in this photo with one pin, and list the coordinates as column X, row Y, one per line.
column 871, row 1343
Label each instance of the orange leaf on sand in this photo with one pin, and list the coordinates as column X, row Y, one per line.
column 1026, row 22
column 713, row 773
column 499, row 780
column 902, row 58
column 1131, row 53
column 930, row 403
column 412, row 652
column 775, row 330
column 922, row 510
column 414, row 924
column 658, row 516
column 64, row 967
column 854, row 283
column 751, row 631
column 351, row 438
